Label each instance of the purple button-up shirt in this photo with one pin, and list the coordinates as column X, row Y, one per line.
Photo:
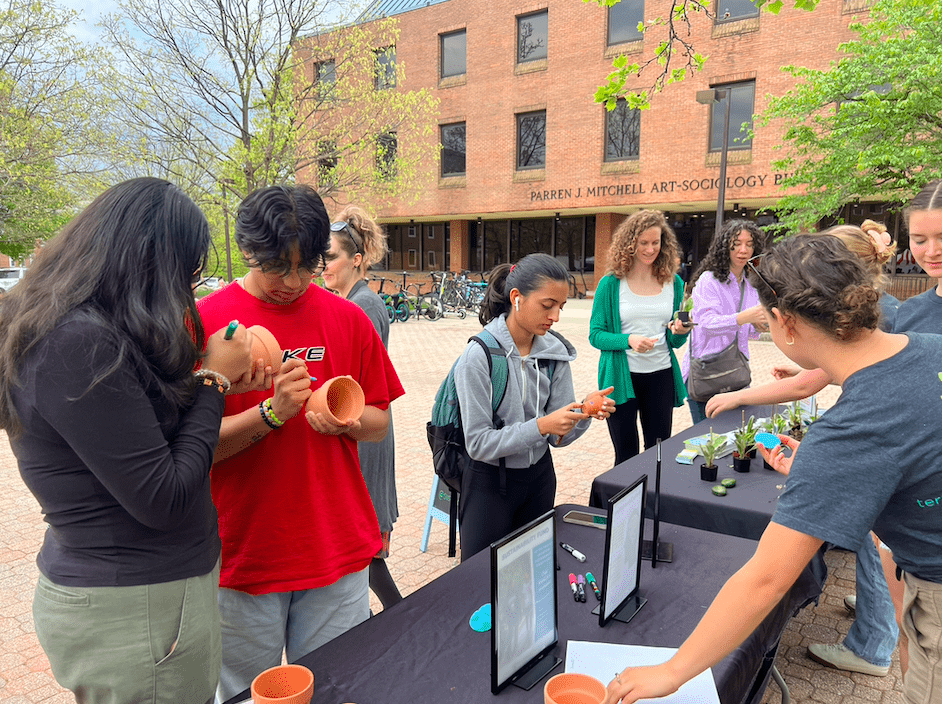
column 715, row 305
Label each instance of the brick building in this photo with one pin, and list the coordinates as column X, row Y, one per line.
column 531, row 163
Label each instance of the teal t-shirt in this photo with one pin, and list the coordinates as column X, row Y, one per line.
column 874, row 462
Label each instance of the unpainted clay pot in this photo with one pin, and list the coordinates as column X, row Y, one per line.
column 340, row 399
column 265, row 346
column 573, row 688
column 285, row 684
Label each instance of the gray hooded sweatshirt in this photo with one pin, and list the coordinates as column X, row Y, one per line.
column 530, row 395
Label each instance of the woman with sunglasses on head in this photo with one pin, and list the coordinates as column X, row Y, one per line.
column 114, row 435
column 631, row 325
column 725, row 305
column 872, row 462
column 356, row 242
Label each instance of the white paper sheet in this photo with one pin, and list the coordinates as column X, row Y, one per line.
column 603, row 660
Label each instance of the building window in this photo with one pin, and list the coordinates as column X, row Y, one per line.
column 327, row 161
column 531, row 140
column 622, row 132
column 386, row 147
column 411, row 230
column 453, row 149
column 431, row 258
column 532, row 36
column 325, row 76
column 385, row 68
column 742, row 97
column 454, row 53
column 731, row 10
column 413, row 258
column 623, row 19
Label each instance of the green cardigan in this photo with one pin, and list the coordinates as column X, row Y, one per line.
column 605, row 334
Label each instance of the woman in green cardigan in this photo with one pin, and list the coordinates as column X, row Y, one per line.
column 632, row 325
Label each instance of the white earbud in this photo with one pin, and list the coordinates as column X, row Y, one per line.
column 517, row 305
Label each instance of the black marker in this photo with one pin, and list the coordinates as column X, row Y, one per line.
column 571, row 550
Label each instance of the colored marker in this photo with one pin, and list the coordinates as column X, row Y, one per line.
column 572, row 551
column 580, row 585
column 230, row 330
column 595, row 585
column 575, row 590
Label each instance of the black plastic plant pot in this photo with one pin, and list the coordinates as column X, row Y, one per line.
column 753, row 453
column 767, row 465
column 741, row 464
column 683, row 316
column 708, row 474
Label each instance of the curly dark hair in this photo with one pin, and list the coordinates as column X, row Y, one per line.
column 817, row 278
column 717, row 259
column 621, row 253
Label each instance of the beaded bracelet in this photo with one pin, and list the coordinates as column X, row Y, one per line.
column 215, row 376
column 261, row 410
column 209, row 381
column 268, row 415
column 271, row 412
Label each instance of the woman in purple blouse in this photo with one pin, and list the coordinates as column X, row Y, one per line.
column 725, row 305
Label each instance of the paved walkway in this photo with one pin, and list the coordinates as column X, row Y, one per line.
column 422, row 352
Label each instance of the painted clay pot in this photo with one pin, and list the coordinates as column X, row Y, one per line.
column 340, row 399
column 708, row 474
column 741, row 464
column 285, row 684
column 593, row 405
column 573, row 688
column 265, row 346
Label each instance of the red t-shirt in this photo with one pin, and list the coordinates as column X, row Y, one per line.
column 294, row 512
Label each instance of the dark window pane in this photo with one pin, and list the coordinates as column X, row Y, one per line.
column 454, row 54
column 728, row 10
column 385, row 68
column 531, row 140
column 623, row 19
column 532, row 36
column 326, row 78
column 622, row 132
column 386, row 146
column 327, row 161
column 741, row 109
column 454, row 149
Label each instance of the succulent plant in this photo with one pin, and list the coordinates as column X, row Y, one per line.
column 745, row 437
column 711, row 447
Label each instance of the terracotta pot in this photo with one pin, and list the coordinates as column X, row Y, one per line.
column 340, row 399
column 708, row 474
column 741, row 464
column 573, row 688
column 265, row 346
column 593, row 405
column 285, row 684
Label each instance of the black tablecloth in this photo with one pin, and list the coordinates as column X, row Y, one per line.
column 746, row 509
column 422, row 650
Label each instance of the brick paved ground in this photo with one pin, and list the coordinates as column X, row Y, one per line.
column 422, row 352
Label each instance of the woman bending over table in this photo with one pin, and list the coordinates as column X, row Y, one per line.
column 872, row 462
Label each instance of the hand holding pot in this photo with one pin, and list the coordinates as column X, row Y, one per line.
column 336, row 406
column 561, row 421
column 597, row 404
column 233, row 357
column 776, row 456
column 292, row 389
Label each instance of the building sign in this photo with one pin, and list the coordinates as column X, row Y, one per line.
column 638, row 188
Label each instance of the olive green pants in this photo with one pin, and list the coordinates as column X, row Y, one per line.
column 150, row 644
column 922, row 624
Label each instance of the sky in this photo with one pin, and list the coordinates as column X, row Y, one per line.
column 84, row 29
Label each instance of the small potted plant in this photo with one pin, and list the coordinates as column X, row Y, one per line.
column 776, row 425
column 683, row 315
column 796, row 428
column 745, row 441
column 709, row 450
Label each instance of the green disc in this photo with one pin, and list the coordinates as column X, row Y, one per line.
column 729, row 483
column 719, row 490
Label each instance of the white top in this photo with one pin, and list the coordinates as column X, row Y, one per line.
column 648, row 316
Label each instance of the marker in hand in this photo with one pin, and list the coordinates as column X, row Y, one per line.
column 595, row 586
column 572, row 551
column 575, row 590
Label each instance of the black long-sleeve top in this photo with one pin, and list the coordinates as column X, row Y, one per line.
column 121, row 475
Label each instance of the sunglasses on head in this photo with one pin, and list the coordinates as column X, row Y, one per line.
column 753, row 262
column 342, row 226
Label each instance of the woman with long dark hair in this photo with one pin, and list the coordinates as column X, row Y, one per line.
column 114, row 435
column 539, row 408
column 725, row 304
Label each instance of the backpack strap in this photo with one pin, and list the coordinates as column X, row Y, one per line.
column 497, row 367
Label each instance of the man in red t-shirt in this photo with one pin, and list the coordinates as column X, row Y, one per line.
column 297, row 525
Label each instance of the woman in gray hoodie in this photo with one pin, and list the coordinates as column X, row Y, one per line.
column 521, row 304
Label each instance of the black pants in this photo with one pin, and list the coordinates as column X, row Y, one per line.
column 654, row 399
column 485, row 515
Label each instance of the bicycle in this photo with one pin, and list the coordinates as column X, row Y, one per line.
column 396, row 307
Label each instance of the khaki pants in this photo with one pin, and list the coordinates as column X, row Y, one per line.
column 149, row 644
column 922, row 624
